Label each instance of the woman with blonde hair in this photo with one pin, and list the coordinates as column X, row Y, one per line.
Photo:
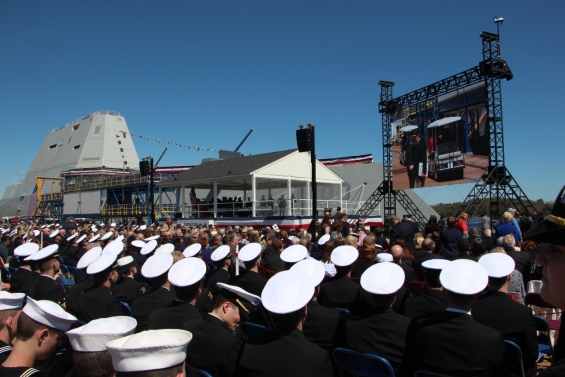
column 462, row 224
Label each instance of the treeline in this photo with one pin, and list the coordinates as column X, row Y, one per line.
column 449, row 209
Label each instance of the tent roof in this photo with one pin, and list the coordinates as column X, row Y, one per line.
column 220, row 169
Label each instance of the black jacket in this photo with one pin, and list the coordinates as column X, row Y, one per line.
column 406, row 232
column 98, row 302
column 523, row 260
column 271, row 259
column 30, row 281
column 18, row 278
column 283, row 352
column 456, row 345
column 449, row 238
column 341, row 292
column 142, row 306
column 46, row 288
column 431, row 304
column 515, row 321
column 213, row 347
column 128, row 289
column 323, row 326
column 173, row 316
column 251, row 281
column 409, row 273
column 380, row 332
column 74, row 294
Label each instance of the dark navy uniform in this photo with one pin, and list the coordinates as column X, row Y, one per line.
column 20, row 372
column 341, row 292
column 18, row 278
column 454, row 344
column 295, row 356
column 515, row 321
column 323, row 326
column 5, row 350
column 128, row 289
column 213, row 347
column 98, row 302
column 220, row 276
column 173, row 316
column 142, row 306
column 431, row 304
column 75, row 292
column 46, row 288
column 251, row 281
column 417, row 261
column 29, row 282
column 381, row 332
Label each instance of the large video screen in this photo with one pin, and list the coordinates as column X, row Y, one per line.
column 442, row 141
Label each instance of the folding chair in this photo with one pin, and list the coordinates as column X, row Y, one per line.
column 6, row 274
column 126, row 305
column 66, row 276
column 542, row 326
column 251, row 329
column 361, row 364
column 344, row 313
column 513, row 358
column 195, row 372
column 536, row 300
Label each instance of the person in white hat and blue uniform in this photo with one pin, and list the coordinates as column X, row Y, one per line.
column 432, row 302
column 11, row 305
column 249, row 278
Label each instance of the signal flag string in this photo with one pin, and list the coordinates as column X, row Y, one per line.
column 195, row 147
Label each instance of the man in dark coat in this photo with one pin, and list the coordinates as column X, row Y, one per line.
column 127, row 288
column 186, row 278
column 433, row 302
column 523, row 259
column 449, row 238
column 46, row 287
column 417, row 162
column 249, row 278
column 98, row 301
column 409, row 272
column 497, row 310
column 272, row 254
column 427, row 253
column 401, row 230
column 381, row 331
column 19, row 277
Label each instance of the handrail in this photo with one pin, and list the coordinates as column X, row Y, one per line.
column 111, row 182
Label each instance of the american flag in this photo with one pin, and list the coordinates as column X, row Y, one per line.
column 192, row 196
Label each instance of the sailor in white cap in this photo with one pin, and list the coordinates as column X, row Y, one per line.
column 46, row 286
column 381, row 331
column 214, row 348
column 156, row 269
column 496, row 309
column 97, row 301
column 285, row 298
column 127, row 288
column 432, row 302
column 89, row 344
column 150, row 353
column 249, row 278
column 82, row 279
column 340, row 291
column 186, row 277
column 453, row 343
column 19, row 277
column 221, row 257
column 41, row 326
column 323, row 326
column 11, row 305
column 293, row 254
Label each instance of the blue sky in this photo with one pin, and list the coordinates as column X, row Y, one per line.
column 205, row 72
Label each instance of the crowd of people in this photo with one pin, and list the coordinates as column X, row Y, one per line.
column 166, row 299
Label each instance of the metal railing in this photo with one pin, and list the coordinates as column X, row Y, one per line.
column 52, row 197
column 116, row 181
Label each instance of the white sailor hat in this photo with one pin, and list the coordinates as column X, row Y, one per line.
column 312, row 268
column 26, row 249
column 138, row 243
column 54, row 233
column 149, row 350
column 149, row 247
column 249, row 252
column 107, row 236
column 294, row 253
column 93, row 336
column 157, row 265
column 220, row 253
column 384, row 257
column 94, row 238
column 166, row 248
column 187, row 271
column 344, row 255
column 47, row 252
column 463, row 276
column 72, row 237
column 152, row 238
column 13, row 232
column 287, row 292
column 36, row 232
column 125, row 264
column 113, row 225
column 143, row 227
column 120, row 238
column 115, row 247
column 89, row 257
column 383, row 278
column 102, row 263
column 43, row 226
column 11, row 300
column 435, row 264
column 102, row 224
column 497, row 265
column 192, row 250
column 228, row 291
column 325, row 238
column 81, row 238
column 49, row 314
column 5, row 231
column 94, row 229
column 24, row 236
